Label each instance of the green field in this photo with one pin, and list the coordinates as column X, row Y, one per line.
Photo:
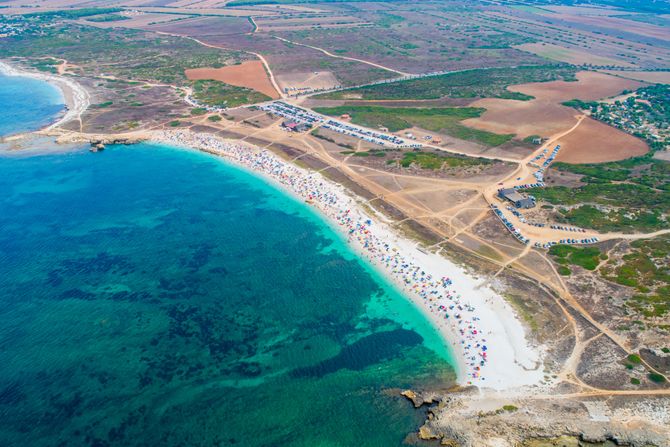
column 71, row 13
column 586, row 257
column 478, row 83
column 444, row 120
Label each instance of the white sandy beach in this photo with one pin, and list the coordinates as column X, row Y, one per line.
column 486, row 336
column 76, row 98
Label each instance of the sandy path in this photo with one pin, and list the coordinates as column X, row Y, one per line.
column 258, row 55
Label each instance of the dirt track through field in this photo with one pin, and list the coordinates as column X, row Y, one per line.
column 327, row 53
column 545, row 116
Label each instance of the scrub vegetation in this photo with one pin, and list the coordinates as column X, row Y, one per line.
column 586, row 257
column 216, row 93
column 629, row 195
column 123, row 53
column 646, row 268
column 433, row 161
column 478, row 83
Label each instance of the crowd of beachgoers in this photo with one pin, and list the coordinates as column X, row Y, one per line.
column 438, row 294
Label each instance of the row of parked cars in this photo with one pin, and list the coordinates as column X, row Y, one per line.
column 564, row 228
column 292, row 112
column 509, row 225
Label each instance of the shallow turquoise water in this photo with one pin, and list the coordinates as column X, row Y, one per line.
column 27, row 104
column 157, row 296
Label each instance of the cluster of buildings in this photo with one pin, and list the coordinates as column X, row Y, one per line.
column 295, row 126
column 643, row 114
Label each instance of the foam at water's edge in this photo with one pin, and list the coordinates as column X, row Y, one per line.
column 28, row 104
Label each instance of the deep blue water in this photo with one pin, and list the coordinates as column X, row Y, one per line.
column 27, row 104
column 157, row 296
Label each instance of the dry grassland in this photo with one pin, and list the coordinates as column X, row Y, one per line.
column 653, row 77
column 310, row 79
column 569, row 55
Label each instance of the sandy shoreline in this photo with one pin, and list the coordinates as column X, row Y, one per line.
column 75, row 97
column 488, row 341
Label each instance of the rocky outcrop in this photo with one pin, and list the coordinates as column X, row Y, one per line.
column 419, row 399
column 99, row 144
column 482, row 419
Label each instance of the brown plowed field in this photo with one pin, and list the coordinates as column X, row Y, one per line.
column 595, row 142
column 590, row 86
column 250, row 74
column 523, row 118
column 544, row 115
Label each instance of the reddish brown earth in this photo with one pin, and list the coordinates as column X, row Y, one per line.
column 596, row 142
column 590, row 86
column 545, row 116
column 250, row 74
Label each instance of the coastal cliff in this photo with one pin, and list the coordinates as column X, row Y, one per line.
column 470, row 417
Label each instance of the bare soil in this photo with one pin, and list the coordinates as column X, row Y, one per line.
column 250, row 74
column 596, row 142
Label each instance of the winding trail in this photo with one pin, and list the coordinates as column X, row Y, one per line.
column 328, row 53
column 265, row 63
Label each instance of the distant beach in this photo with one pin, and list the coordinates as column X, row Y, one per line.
column 75, row 97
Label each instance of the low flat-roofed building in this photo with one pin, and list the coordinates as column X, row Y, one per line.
column 519, row 200
column 295, row 126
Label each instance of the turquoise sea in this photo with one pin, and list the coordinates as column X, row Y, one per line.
column 27, row 104
column 157, row 296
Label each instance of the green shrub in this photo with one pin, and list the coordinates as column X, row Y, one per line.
column 656, row 378
column 563, row 270
column 586, row 257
